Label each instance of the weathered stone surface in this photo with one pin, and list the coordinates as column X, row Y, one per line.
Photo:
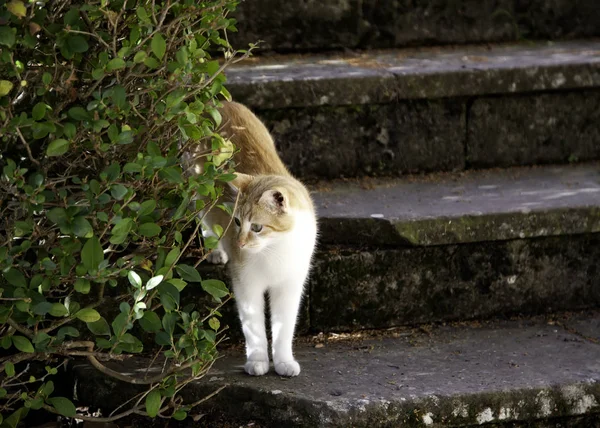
column 461, row 207
column 295, row 24
column 352, row 288
column 586, row 326
column 314, row 25
column 383, row 76
column 510, row 372
column 534, row 129
column 386, row 139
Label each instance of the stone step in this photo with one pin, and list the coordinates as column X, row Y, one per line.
column 456, row 246
column 298, row 25
column 524, row 372
column 430, row 109
column 459, row 208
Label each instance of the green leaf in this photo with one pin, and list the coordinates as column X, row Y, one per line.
column 121, row 230
column 64, row 406
column 134, row 279
column 149, row 229
column 172, row 256
column 67, row 331
column 158, row 45
column 215, row 288
column 79, row 113
column 118, row 191
column 140, row 57
column 115, row 64
column 99, row 327
column 7, row 38
column 188, row 273
column 119, row 324
column 147, row 207
column 150, row 322
column 15, row 277
column 42, row 308
column 77, row 44
column 69, row 130
column 214, row 323
column 58, row 216
column 153, row 282
column 98, row 73
column 58, row 310
column 178, row 283
column 5, row 87
column 17, row 8
column 82, row 285
column 151, row 63
column 172, row 174
column 179, row 415
column 132, row 168
column 88, row 315
column 82, row 227
column 153, row 400
column 39, row 111
column 91, row 254
column 23, row 344
column 57, row 147
column 169, row 322
column 9, row 368
column 169, row 296
column 218, row 229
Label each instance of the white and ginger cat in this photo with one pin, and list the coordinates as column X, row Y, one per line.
column 269, row 247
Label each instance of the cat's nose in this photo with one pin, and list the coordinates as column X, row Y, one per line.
column 241, row 244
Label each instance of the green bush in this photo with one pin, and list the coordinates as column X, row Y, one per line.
column 97, row 101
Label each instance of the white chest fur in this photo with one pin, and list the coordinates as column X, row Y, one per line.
column 285, row 259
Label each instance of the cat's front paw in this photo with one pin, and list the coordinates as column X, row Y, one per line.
column 217, row 257
column 256, row 367
column 288, row 368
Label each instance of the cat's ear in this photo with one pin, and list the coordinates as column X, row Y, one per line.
column 239, row 183
column 275, row 201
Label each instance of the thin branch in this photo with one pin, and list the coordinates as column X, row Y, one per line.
column 133, row 380
column 29, row 154
column 23, row 356
column 96, row 36
column 23, row 330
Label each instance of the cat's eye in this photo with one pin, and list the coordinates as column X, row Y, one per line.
column 256, row 228
column 237, row 222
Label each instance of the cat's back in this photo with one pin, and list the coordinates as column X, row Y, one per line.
column 257, row 154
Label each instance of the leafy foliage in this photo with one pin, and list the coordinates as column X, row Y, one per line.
column 98, row 99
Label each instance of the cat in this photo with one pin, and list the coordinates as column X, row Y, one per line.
column 269, row 246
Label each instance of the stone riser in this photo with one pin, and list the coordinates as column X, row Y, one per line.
column 437, row 135
column 298, row 25
column 353, row 289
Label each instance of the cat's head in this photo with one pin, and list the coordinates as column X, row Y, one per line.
column 266, row 208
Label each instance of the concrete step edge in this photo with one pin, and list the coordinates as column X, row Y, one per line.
column 457, row 208
column 497, row 372
column 385, row 76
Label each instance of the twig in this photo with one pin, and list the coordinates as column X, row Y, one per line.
column 20, row 328
column 29, row 154
column 23, row 356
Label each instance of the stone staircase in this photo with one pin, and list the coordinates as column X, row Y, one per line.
column 458, row 190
